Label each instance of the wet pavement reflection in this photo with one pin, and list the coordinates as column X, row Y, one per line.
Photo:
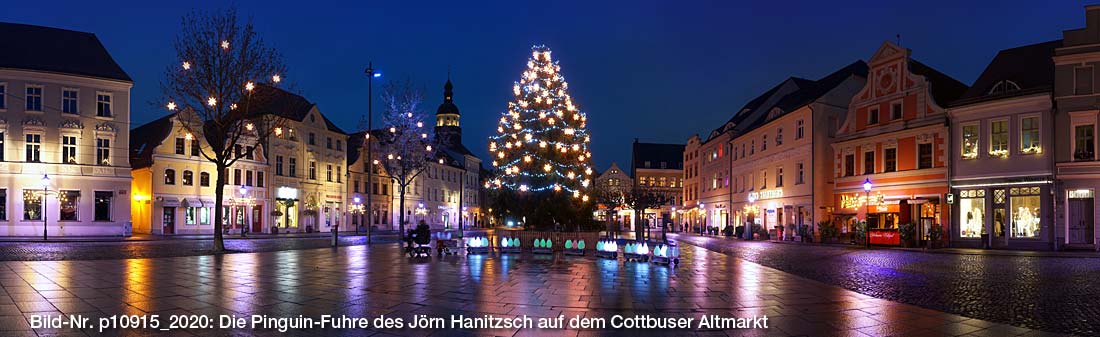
column 380, row 280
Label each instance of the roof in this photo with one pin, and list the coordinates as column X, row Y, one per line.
column 58, row 51
column 945, row 89
column 1030, row 68
column 448, row 106
column 673, row 154
column 810, row 92
column 144, row 140
column 276, row 101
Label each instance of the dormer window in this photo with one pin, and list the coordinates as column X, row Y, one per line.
column 1004, row 87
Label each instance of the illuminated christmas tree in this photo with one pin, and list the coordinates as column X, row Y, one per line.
column 541, row 145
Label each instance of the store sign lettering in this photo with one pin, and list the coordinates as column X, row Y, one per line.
column 885, row 237
column 854, row 201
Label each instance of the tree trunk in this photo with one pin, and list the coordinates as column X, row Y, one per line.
column 219, row 197
column 639, row 232
column 401, row 214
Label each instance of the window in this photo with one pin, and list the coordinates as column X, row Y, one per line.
column 998, row 138
column 849, row 165
column 188, row 178
column 798, row 133
column 801, row 174
column 34, row 148
column 68, row 149
column 971, row 213
column 872, row 116
column 779, row 177
column 1084, row 144
column 895, row 111
column 32, row 205
column 259, row 178
column 924, row 155
column 195, row 148
column 385, row 189
column 1025, row 210
column 328, row 143
column 169, row 177
column 238, row 150
column 248, row 178
column 764, row 143
column 237, row 177
column 752, row 149
column 69, row 202
column 763, row 179
column 339, row 144
column 355, row 187
column 890, row 160
column 3, row 204
column 339, row 175
column 278, row 165
column 3, row 99
column 293, row 169
column 204, row 179
column 1, row 145
column 970, row 141
column 103, row 151
column 34, row 98
column 180, row 145
column 204, row 216
column 869, row 162
column 103, row 205
column 313, row 170
column 68, row 101
column 189, row 216
column 103, row 105
column 312, row 139
column 248, row 153
column 1029, row 135
column 1082, row 79
column 778, row 136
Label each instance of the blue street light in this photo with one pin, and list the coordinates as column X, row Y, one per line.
column 377, row 74
column 867, row 210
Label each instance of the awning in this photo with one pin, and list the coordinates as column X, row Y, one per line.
column 169, row 201
column 192, row 202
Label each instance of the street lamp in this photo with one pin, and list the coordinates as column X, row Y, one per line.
column 867, row 211
column 45, row 192
column 245, row 201
column 371, row 75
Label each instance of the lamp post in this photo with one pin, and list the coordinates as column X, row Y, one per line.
column 867, row 211
column 244, row 201
column 45, row 192
column 371, row 75
column 750, row 231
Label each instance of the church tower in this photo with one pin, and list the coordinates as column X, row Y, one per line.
column 447, row 131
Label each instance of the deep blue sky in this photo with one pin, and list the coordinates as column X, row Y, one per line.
column 658, row 70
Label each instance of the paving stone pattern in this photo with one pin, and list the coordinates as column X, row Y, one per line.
column 379, row 280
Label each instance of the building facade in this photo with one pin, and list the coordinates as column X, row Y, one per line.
column 895, row 139
column 64, row 133
column 615, row 184
column 658, row 168
column 780, row 154
column 378, row 187
column 174, row 184
column 1002, row 155
column 1077, row 166
column 690, row 216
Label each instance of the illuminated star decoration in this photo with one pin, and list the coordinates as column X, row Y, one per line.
column 542, row 140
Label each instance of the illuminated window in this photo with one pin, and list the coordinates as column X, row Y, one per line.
column 1084, row 142
column 970, row 141
column 180, row 143
column 998, row 138
column 169, row 177
column 69, row 202
column 188, row 178
column 68, row 149
column 1029, row 135
column 924, row 155
column 103, row 151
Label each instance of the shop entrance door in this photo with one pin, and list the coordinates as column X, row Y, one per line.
column 257, row 219
column 1080, row 221
column 169, row 220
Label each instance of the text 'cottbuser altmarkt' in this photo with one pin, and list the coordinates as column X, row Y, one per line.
column 883, row 151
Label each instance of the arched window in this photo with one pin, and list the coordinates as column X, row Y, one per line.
column 169, row 177
column 204, row 179
column 188, row 178
column 1003, row 87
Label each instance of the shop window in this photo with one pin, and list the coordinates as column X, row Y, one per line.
column 970, row 141
column 103, row 205
column 3, row 204
column 1025, row 209
column 32, row 205
column 971, row 213
column 189, row 216
column 69, row 201
column 890, row 160
column 924, row 155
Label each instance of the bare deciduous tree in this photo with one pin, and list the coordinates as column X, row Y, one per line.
column 405, row 148
column 221, row 60
column 641, row 197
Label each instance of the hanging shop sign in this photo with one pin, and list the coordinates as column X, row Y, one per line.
column 766, row 194
column 288, row 193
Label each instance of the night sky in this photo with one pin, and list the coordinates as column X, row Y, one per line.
column 656, row 70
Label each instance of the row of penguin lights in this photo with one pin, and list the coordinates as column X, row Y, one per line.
column 580, row 244
column 509, row 242
column 634, row 248
column 543, row 243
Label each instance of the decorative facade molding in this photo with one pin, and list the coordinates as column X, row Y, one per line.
column 71, row 124
column 34, row 122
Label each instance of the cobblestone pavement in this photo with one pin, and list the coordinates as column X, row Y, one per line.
column 50, row 251
column 379, row 280
column 1042, row 292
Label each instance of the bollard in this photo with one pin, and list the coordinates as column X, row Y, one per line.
column 335, row 236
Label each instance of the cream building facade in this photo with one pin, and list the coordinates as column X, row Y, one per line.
column 64, row 123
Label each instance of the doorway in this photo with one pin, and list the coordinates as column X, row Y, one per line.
column 1080, row 219
column 257, row 219
column 169, row 220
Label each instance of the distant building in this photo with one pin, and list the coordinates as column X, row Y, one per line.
column 1002, row 170
column 895, row 137
column 380, row 188
column 690, row 216
column 65, row 115
column 659, row 167
column 616, row 184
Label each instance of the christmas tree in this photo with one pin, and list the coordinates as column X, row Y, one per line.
column 541, row 145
